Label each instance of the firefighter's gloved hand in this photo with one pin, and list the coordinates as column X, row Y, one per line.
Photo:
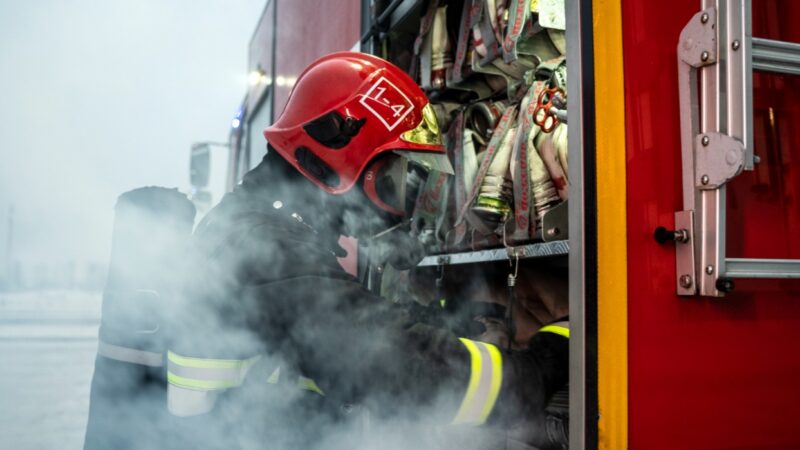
column 396, row 247
column 476, row 320
column 407, row 254
column 494, row 332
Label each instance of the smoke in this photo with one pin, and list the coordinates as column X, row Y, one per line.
column 255, row 281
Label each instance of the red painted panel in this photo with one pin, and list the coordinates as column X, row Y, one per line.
column 309, row 29
column 776, row 19
column 703, row 373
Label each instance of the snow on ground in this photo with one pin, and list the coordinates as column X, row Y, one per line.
column 48, row 341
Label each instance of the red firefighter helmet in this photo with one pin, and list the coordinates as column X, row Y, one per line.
column 345, row 110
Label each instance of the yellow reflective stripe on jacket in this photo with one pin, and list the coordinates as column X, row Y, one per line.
column 200, row 385
column 559, row 328
column 309, row 385
column 205, row 363
column 486, row 378
column 206, row 374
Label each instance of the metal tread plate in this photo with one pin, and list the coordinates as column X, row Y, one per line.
column 538, row 250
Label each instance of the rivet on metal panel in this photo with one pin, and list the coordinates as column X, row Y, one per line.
column 704, row 56
column 704, row 18
column 705, row 141
column 552, row 232
column 735, row 45
column 704, row 179
column 709, row 269
column 686, row 281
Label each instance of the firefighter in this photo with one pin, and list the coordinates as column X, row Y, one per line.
column 279, row 344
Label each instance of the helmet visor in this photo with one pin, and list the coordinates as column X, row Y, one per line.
column 427, row 132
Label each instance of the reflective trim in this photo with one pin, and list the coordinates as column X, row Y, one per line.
column 185, row 402
column 130, row 355
column 559, row 328
column 275, row 377
column 209, row 363
column 309, row 385
column 207, row 374
column 200, row 385
column 485, row 380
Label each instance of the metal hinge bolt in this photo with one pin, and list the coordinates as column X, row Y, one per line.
column 705, row 141
column 704, row 18
column 704, row 180
column 663, row 235
column 709, row 269
column 735, row 45
column 704, row 56
column 686, row 281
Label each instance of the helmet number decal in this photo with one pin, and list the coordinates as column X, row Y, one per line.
column 386, row 102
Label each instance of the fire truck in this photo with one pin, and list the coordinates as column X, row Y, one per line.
column 679, row 233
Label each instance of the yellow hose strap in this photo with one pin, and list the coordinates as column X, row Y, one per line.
column 486, row 378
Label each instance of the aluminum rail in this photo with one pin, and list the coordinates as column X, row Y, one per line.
column 762, row 268
column 540, row 250
column 776, row 56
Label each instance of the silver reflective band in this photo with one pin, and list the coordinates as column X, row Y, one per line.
column 130, row 355
column 485, row 380
column 184, row 402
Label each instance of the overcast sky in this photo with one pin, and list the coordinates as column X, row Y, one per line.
column 101, row 96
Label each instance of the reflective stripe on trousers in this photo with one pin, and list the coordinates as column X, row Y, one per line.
column 130, row 355
column 486, row 378
column 195, row 382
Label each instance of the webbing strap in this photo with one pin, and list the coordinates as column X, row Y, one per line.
column 518, row 16
column 559, row 328
column 498, row 136
column 130, row 355
column 520, row 171
column 425, row 25
column 207, row 374
column 457, row 138
column 486, row 378
column 464, row 33
column 484, row 30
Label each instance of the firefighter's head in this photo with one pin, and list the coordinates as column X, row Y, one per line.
column 354, row 121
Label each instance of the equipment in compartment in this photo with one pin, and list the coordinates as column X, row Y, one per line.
column 495, row 73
